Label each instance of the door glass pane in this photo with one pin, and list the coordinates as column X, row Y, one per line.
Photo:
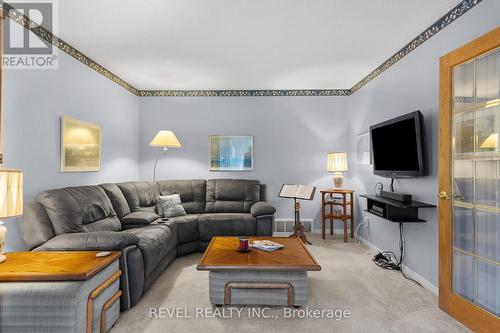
column 463, row 125
column 463, row 182
column 487, row 129
column 463, row 86
column 488, row 234
column 463, row 229
column 488, row 78
column 488, row 286
column 476, row 181
column 487, row 183
column 462, row 271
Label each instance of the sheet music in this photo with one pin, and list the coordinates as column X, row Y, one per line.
column 288, row 191
column 305, row 192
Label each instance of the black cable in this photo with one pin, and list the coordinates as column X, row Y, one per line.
column 401, row 256
column 385, row 260
column 388, row 260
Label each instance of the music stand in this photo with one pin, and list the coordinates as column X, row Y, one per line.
column 298, row 192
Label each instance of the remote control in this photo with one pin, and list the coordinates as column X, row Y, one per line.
column 103, row 254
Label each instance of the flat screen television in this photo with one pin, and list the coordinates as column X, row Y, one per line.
column 399, row 147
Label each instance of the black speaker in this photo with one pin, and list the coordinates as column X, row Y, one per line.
column 396, row 196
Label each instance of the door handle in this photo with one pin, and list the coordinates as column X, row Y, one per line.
column 443, row 195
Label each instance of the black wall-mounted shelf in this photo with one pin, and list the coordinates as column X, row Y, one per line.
column 393, row 210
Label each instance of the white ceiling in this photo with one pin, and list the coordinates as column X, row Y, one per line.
column 242, row 44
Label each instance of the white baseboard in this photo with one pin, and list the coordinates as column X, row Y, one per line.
column 281, row 234
column 408, row 271
column 314, row 231
column 336, row 231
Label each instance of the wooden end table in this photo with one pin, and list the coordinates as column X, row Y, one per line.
column 258, row 277
column 327, row 199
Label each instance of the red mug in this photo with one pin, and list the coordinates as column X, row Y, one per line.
column 243, row 243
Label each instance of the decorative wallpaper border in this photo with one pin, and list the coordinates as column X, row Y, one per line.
column 243, row 93
column 49, row 37
column 457, row 11
column 439, row 25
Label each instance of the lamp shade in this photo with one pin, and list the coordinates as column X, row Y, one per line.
column 337, row 162
column 491, row 142
column 165, row 139
column 11, row 193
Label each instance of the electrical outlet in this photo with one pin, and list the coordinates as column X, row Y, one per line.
column 366, row 219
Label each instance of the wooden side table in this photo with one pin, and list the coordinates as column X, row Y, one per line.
column 327, row 199
column 59, row 291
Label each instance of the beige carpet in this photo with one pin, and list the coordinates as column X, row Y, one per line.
column 378, row 300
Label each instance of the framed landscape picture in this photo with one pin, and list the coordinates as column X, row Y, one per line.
column 80, row 145
column 230, row 153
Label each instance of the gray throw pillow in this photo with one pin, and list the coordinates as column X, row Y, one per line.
column 170, row 205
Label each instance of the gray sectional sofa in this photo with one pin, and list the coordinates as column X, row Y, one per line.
column 123, row 217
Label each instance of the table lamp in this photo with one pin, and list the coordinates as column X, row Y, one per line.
column 164, row 139
column 491, row 142
column 337, row 163
column 11, row 200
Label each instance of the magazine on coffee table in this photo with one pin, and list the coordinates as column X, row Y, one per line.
column 266, row 245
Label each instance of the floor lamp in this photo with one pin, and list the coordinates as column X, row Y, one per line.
column 164, row 139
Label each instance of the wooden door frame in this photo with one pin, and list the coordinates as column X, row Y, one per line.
column 471, row 315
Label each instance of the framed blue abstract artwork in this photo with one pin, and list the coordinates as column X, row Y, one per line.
column 230, row 153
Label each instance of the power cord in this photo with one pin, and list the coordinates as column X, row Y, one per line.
column 388, row 260
column 358, row 241
column 356, row 232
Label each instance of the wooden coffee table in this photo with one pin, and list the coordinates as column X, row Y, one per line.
column 258, row 277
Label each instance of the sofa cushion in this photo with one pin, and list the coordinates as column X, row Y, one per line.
column 35, row 225
column 79, row 209
column 140, row 196
column 117, row 199
column 140, row 218
column 192, row 193
column 231, row 195
column 263, row 192
column 90, row 241
column 187, row 228
column 226, row 224
column 155, row 243
column 170, row 205
column 262, row 208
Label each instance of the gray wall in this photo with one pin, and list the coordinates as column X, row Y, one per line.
column 34, row 100
column 413, row 84
column 292, row 136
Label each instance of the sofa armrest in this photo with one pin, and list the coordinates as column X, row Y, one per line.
column 139, row 218
column 90, row 241
column 264, row 225
column 262, row 208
